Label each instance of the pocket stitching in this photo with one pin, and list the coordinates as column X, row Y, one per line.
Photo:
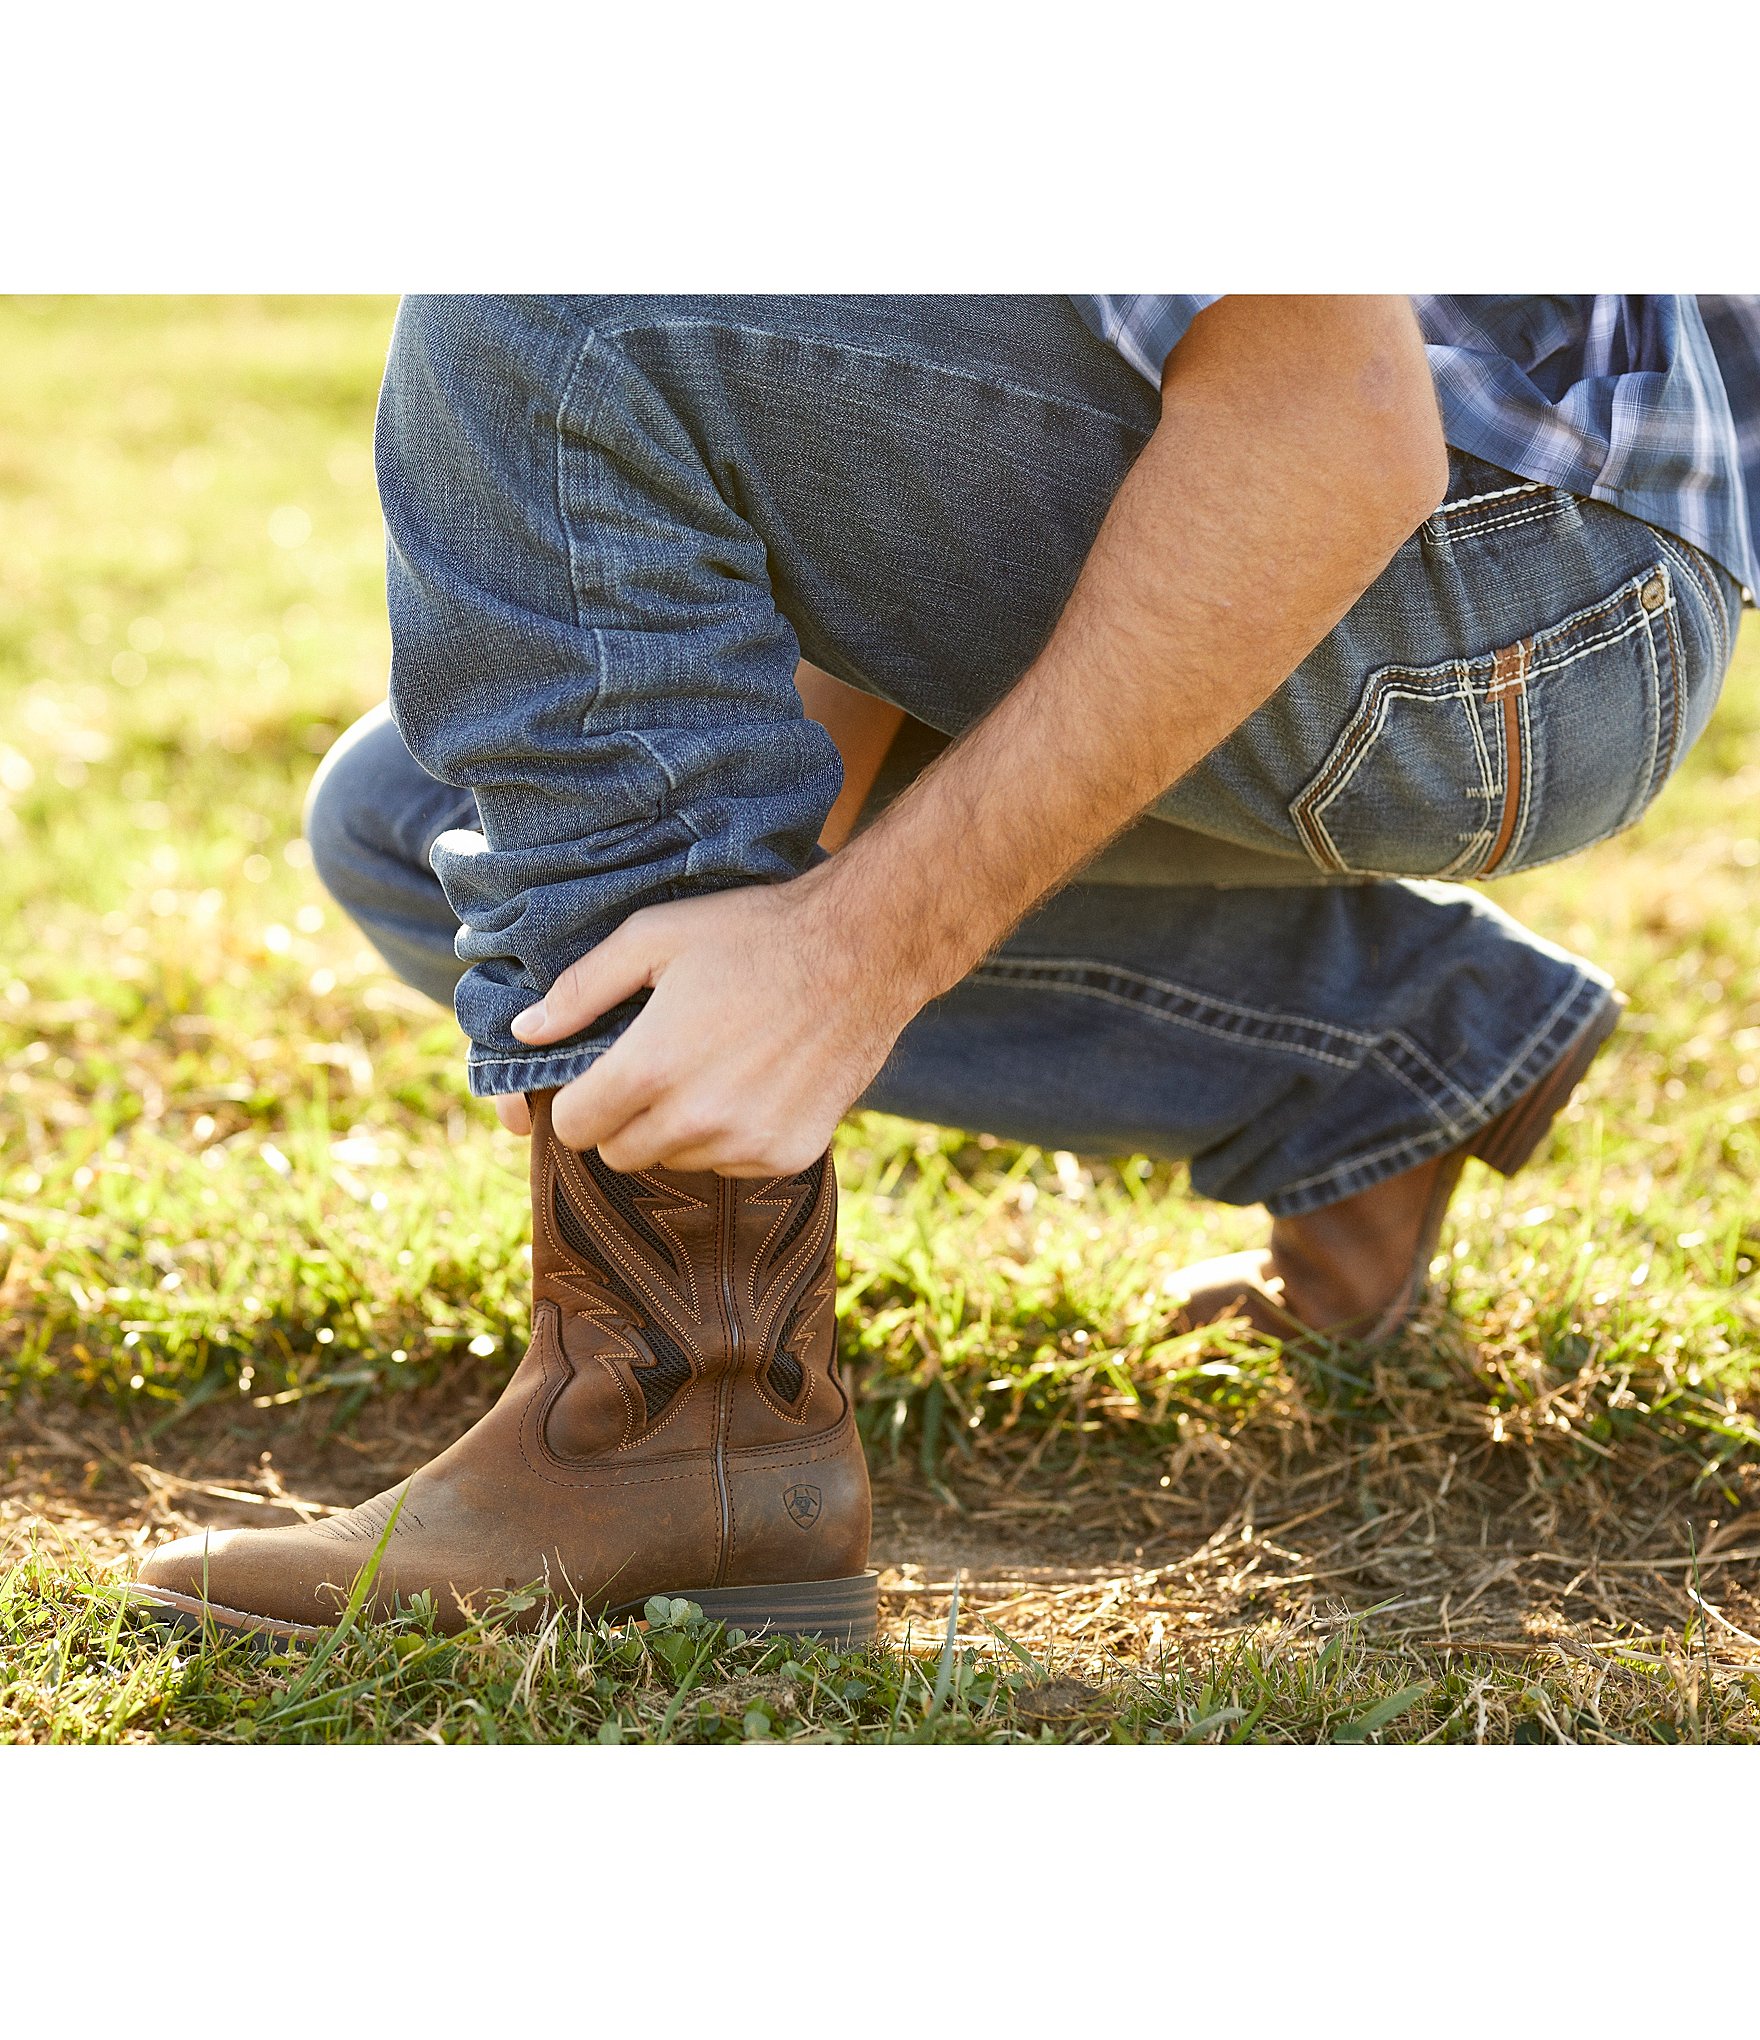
column 1645, row 625
column 1717, row 618
column 1455, row 679
column 1480, row 525
column 1310, row 806
column 1560, row 633
column 1662, row 764
column 1460, row 504
column 1717, row 615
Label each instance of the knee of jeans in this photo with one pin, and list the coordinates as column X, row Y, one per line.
column 345, row 818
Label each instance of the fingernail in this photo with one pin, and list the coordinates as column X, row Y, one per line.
column 529, row 1021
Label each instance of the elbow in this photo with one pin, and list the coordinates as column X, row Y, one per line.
column 1402, row 451
column 1392, row 484
column 1421, row 468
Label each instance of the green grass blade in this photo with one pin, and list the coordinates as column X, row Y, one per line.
column 1383, row 1712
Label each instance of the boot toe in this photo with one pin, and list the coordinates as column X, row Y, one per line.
column 189, row 1566
column 241, row 1579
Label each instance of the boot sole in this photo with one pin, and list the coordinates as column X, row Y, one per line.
column 844, row 1612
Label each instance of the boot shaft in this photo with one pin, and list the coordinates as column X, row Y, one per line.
column 677, row 1426
column 708, row 1301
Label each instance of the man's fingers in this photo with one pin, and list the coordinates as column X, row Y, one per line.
column 679, row 1132
column 670, row 1130
column 641, row 1143
column 595, row 1106
column 591, row 985
column 512, row 1111
column 663, row 1138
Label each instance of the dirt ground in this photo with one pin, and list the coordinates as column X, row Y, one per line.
column 1435, row 1542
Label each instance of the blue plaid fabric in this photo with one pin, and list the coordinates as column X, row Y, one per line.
column 1651, row 404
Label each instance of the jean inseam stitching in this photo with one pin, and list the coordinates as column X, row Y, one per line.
column 1060, row 971
column 1060, row 978
column 1369, row 1046
column 1150, row 1009
column 1428, row 1083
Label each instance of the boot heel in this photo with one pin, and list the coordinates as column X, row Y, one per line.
column 844, row 1612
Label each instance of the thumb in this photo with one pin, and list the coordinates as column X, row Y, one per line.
column 621, row 965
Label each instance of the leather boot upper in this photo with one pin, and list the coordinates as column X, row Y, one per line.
column 677, row 1421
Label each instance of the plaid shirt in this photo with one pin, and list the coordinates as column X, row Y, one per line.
column 1651, row 404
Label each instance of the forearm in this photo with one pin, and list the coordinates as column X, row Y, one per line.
column 1297, row 449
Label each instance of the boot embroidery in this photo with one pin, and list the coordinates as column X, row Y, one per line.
column 630, row 1224
column 795, row 1199
column 620, row 1244
column 643, row 1207
column 660, row 1366
column 786, row 1376
column 784, row 1287
column 650, row 1274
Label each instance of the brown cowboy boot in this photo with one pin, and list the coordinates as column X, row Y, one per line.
column 676, row 1427
column 1357, row 1269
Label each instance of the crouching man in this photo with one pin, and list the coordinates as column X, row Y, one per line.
column 1206, row 643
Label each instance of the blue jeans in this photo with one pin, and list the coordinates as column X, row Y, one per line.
column 615, row 523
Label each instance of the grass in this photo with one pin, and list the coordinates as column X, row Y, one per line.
column 259, row 1250
column 80, row 1669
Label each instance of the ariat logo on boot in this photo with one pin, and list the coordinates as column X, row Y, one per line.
column 803, row 1504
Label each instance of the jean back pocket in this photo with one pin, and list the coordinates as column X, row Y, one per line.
column 1492, row 764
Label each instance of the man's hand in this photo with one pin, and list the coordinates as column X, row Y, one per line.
column 1299, row 446
column 765, row 1021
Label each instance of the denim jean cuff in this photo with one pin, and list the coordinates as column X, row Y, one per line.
column 495, row 1076
column 1540, row 1052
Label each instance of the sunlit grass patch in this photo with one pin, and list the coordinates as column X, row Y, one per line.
column 82, row 1665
